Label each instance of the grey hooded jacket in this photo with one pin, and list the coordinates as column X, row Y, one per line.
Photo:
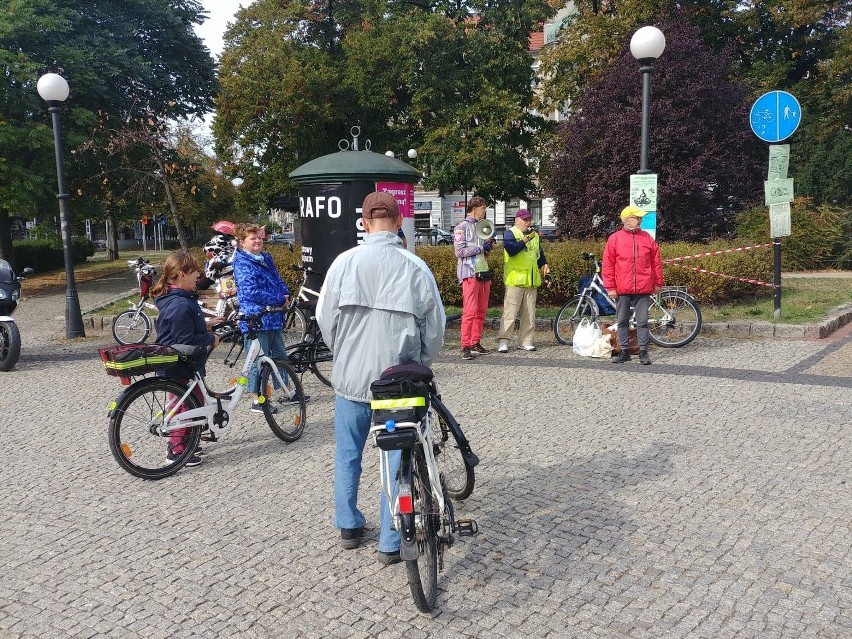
column 379, row 306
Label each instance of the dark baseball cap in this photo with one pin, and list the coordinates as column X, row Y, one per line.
column 379, row 204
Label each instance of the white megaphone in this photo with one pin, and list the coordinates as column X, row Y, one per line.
column 484, row 229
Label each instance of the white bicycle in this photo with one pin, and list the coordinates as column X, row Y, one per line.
column 134, row 326
column 155, row 410
column 408, row 416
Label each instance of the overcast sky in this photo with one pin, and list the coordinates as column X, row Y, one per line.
column 221, row 13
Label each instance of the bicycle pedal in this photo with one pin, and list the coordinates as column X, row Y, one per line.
column 466, row 527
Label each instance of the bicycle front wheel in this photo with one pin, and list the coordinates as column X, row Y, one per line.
column 294, row 330
column 674, row 319
column 456, row 474
column 570, row 316
column 135, row 436
column 131, row 327
column 321, row 363
column 283, row 407
column 423, row 571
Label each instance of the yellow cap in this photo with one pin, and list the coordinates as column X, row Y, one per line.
column 632, row 211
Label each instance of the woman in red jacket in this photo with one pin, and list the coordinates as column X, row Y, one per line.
column 632, row 271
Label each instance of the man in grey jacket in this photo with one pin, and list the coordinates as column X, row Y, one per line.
column 379, row 306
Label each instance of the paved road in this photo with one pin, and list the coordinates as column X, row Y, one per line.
column 708, row 495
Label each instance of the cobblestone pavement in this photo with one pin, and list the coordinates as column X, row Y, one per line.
column 708, row 495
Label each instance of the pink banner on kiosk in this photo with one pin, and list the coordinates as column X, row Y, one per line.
column 403, row 193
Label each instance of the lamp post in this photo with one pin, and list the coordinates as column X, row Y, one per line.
column 412, row 154
column 646, row 45
column 53, row 89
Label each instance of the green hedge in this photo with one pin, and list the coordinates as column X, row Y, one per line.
column 818, row 238
column 47, row 255
column 567, row 267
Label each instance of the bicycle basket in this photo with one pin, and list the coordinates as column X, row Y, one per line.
column 402, row 400
column 132, row 360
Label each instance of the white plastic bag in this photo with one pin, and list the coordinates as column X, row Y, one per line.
column 585, row 336
column 602, row 347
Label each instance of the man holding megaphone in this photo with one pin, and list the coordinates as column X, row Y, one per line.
column 524, row 265
column 472, row 247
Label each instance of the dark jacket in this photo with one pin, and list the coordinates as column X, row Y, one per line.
column 631, row 263
column 181, row 321
column 258, row 286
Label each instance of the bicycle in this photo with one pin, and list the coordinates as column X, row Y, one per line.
column 311, row 352
column 151, row 409
column 134, row 326
column 406, row 407
column 674, row 318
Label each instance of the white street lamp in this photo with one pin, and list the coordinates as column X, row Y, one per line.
column 54, row 90
column 646, row 45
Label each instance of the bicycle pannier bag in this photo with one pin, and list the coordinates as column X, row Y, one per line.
column 131, row 360
column 402, row 400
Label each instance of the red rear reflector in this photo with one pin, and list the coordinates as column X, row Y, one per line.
column 406, row 506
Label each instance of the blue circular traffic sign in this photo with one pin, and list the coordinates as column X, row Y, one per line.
column 775, row 116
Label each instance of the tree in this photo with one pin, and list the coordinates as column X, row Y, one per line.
column 110, row 52
column 700, row 144
column 428, row 76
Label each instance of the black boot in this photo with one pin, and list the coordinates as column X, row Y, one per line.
column 643, row 358
column 623, row 356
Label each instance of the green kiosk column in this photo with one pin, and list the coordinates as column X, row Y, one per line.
column 331, row 191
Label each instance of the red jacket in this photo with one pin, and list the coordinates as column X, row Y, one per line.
column 631, row 263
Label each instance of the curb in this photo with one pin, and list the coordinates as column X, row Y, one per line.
column 837, row 319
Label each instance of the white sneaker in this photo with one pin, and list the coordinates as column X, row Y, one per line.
column 503, row 348
column 527, row 347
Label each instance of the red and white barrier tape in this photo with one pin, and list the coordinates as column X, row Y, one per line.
column 730, row 277
column 733, row 250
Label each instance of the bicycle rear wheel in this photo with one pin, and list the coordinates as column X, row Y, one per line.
column 457, row 475
column 321, row 363
column 135, row 438
column 674, row 319
column 423, row 571
column 131, row 327
column 294, row 330
column 570, row 316
column 283, row 408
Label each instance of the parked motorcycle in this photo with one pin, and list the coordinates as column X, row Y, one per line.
column 10, row 337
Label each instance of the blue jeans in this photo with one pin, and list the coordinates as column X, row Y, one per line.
column 351, row 427
column 272, row 343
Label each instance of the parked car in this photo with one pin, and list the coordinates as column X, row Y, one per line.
column 282, row 238
column 548, row 235
column 433, row 237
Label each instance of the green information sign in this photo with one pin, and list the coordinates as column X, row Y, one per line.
column 778, row 191
column 779, row 161
column 643, row 191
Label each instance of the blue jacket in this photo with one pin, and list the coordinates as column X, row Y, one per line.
column 258, row 286
column 180, row 321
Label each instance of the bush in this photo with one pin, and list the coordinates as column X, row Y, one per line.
column 817, row 234
column 47, row 255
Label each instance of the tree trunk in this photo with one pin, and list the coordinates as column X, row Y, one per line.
column 112, row 237
column 180, row 227
column 6, row 251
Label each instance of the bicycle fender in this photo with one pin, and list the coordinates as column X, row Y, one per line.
column 464, row 446
column 408, row 550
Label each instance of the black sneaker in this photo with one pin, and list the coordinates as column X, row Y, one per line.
column 350, row 538
column 388, row 558
column 292, row 400
column 257, row 408
column 466, row 354
column 643, row 358
column 479, row 349
column 194, row 460
column 622, row 357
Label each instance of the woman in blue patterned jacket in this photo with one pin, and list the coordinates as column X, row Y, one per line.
column 258, row 286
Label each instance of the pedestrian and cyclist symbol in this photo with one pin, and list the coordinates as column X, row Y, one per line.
column 775, row 116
